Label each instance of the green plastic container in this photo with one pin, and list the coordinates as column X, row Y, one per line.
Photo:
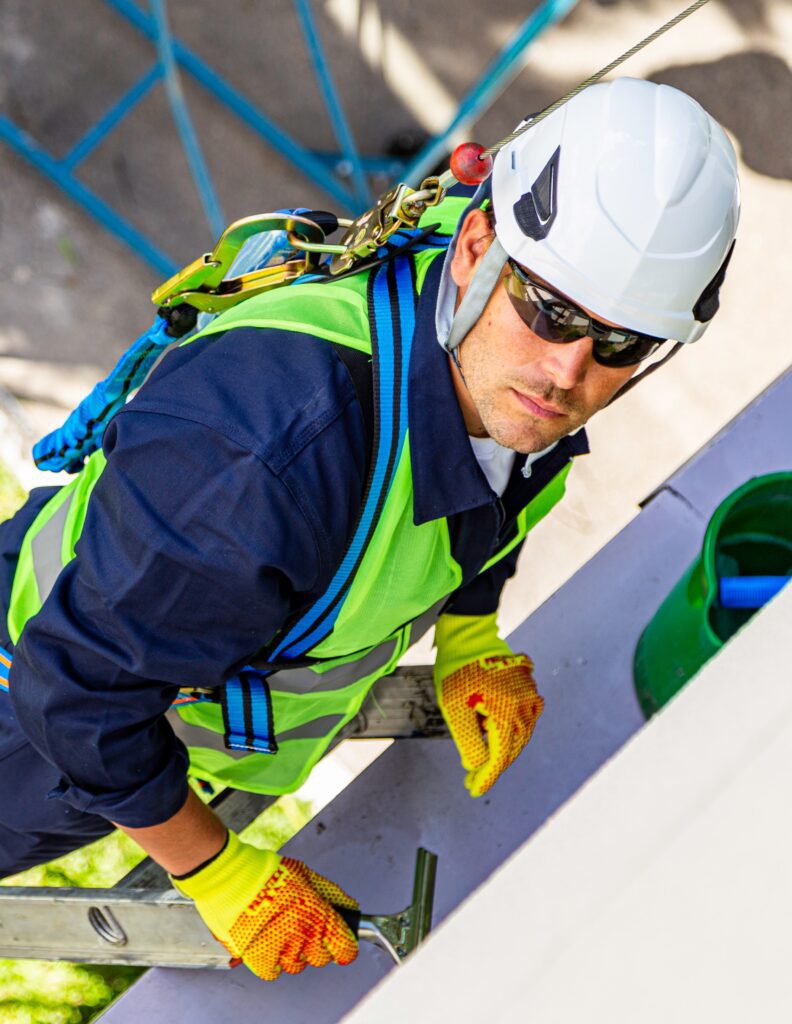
column 750, row 534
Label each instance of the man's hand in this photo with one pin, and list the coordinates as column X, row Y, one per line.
column 272, row 912
column 487, row 696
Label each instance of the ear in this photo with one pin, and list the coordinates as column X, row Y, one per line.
column 473, row 241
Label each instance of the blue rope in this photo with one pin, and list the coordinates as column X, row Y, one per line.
column 67, row 447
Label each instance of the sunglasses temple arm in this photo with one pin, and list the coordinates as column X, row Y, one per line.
column 650, row 369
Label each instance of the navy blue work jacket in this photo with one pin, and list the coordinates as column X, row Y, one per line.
column 233, row 481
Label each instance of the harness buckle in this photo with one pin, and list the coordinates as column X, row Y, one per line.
column 430, row 193
column 399, row 207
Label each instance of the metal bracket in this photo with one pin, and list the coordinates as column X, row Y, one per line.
column 399, row 934
column 399, row 207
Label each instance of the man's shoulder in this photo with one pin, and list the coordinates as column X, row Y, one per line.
column 270, row 391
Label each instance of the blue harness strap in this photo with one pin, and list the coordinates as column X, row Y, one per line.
column 247, row 713
column 186, row 696
column 392, row 302
column 392, row 299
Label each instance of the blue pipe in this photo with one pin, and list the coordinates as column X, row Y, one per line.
column 334, row 108
column 184, row 125
column 749, row 591
column 105, row 125
column 390, row 166
column 240, row 106
column 489, row 85
column 27, row 147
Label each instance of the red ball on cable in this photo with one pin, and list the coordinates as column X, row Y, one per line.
column 468, row 165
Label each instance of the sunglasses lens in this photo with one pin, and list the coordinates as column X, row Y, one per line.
column 550, row 321
column 553, row 319
column 625, row 350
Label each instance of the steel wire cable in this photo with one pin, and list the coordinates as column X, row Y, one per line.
column 594, row 78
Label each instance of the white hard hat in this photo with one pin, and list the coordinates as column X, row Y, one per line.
column 626, row 199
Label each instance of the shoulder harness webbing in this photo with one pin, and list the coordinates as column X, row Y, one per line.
column 392, row 299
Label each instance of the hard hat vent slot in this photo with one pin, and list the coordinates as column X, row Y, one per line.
column 536, row 211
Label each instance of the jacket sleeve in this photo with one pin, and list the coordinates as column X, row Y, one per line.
column 481, row 596
column 192, row 555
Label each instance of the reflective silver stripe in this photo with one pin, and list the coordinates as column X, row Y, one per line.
column 425, row 622
column 316, row 729
column 45, row 550
column 197, row 736
column 305, row 680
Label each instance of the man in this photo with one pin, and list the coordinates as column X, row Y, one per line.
column 264, row 502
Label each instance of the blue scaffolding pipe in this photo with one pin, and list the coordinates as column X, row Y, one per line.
column 96, row 134
column 184, row 125
column 333, row 104
column 319, row 167
column 493, row 81
column 302, row 158
column 389, row 166
column 28, row 148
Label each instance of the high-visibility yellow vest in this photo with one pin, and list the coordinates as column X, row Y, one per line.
column 389, row 590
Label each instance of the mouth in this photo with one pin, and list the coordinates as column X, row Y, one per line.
column 540, row 409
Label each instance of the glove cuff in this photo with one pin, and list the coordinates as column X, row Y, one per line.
column 461, row 639
column 237, row 872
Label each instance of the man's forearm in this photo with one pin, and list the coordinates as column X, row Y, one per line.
column 182, row 843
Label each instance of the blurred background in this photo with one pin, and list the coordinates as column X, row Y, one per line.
column 393, row 74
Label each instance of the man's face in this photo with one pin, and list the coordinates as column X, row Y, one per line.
column 520, row 390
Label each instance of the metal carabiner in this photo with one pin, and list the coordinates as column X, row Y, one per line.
column 399, row 207
column 203, row 285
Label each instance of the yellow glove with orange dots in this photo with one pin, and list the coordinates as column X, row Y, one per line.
column 271, row 912
column 487, row 696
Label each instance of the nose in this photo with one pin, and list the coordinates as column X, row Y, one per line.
column 567, row 364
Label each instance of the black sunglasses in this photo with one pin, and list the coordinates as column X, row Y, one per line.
column 556, row 319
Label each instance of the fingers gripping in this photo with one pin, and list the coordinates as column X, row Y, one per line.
column 329, row 891
column 337, row 938
column 504, row 743
column 464, row 724
column 491, row 706
column 273, row 913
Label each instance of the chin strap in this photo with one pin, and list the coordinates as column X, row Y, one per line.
column 477, row 295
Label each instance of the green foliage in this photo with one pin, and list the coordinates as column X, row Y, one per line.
column 275, row 826
column 35, row 992
column 97, row 865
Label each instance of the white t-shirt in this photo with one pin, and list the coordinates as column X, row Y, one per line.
column 495, row 461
